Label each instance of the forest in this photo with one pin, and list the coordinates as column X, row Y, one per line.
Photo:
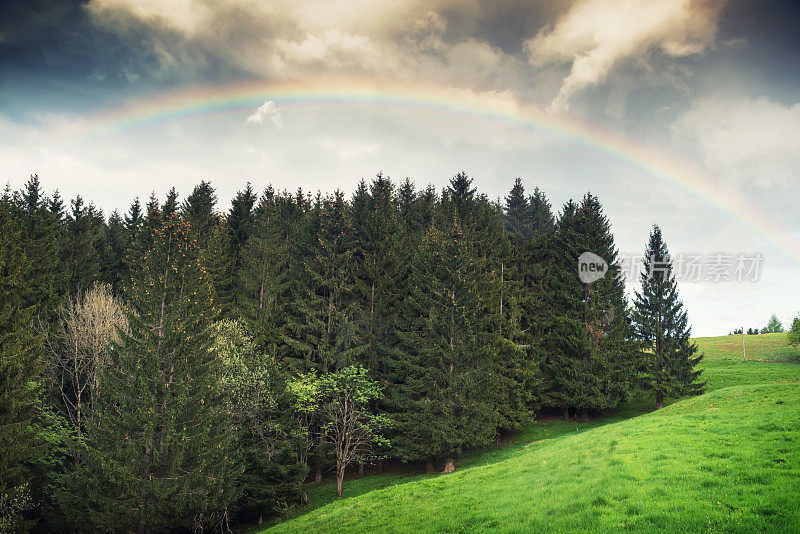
column 191, row 365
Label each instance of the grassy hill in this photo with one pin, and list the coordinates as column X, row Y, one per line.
column 728, row 460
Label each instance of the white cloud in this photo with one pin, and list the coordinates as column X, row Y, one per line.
column 389, row 39
column 267, row 111
column 593, row 36
column 749, row 141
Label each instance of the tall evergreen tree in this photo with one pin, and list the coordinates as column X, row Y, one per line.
column 661, row 325
column 198, row 210
column 239, row 224
column 267, row 273
column 160, row 454
column 114, row 249
column 517, row 220
column 41, row 247
column 589, row 363
column 444, row 395
column 18, row 369
column 170, row 207
column 133, row 220
column 82, row 246
column 542, row 222
column 376, row 269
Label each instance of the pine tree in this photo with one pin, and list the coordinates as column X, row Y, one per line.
column 774, row 326
column 517, row 220
column 542, row 222
column 267, row 273
column 160, row 455
column 18, row 369
column 82, row 246
column 661, row 325
column 198, row 210
column 376, row 269
column 170, row 207
column 113, row 269
column 133, row 221
column 239, row 225
column 41, row 247
column 606, row 321
column 220, row 269
column 589, row 355
column 443, row 404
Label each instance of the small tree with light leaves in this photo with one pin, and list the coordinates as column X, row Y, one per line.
column 349, row 423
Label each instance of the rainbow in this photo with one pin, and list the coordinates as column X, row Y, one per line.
column 495, row 108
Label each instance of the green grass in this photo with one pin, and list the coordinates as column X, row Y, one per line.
column 728, row 460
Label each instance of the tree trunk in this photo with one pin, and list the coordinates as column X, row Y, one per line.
column 361, row 469
column 380, row 466
column 566, row 414
column 429, row 466
column 659, row 400
column 318, row 479
column 449, row 466
column 584, row 415
column 339, row 480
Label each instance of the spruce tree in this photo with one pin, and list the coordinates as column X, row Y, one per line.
column 668, row 355
column 198, row 210
column 19, row 368
column 443, row 402
column 376, row 270
column 160, row 454
column 605, row 314
column 114, row 249
column 82, row 246
column 586, row 336
column 239, row 225
column 517, row 220
column 267, row 273
column 41, row 245
column 542, row 222
column 133, row 220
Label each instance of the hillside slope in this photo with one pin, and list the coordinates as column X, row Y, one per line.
column 728, row 460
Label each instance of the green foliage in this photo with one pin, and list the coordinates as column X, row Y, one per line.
column 662, row 326
column 716, row 462
column 793, row 336
column 774, row 326
column 258, row 402
column 82, row 246
column 348, row 422
column 468, row 315
column 444, row 367
column 19, row 367
column 584, row 327
column 198, row 211
column 160, row 454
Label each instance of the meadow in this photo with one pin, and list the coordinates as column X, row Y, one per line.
column 727, row 460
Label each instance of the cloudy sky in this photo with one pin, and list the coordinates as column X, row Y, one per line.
column 680, row 112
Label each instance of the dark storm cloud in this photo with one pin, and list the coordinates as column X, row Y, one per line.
column 55, row 57
column 69, row 54
column 52, row 53
column 765, row 46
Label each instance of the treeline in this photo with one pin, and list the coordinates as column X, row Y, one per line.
column 185, row 366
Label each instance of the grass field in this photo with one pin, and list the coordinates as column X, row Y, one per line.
column 728, row 460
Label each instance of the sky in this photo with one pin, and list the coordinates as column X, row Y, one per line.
column 684, row 113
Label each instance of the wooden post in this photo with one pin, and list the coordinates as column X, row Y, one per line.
column 744, row 352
